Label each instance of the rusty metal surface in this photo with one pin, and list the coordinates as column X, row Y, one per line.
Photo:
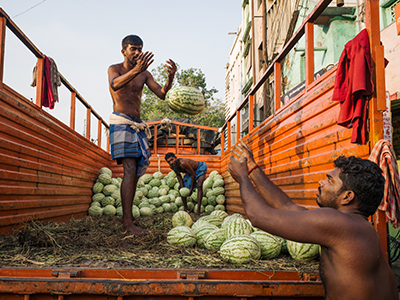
column 159, row 283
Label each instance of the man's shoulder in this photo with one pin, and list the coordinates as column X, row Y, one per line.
column 115, row 66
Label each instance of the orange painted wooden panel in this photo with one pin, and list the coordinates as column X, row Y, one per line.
column 296, row 147
column 47, row 170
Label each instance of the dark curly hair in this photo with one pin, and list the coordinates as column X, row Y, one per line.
column 168, row 155
column 131, row 40
column 365, row 179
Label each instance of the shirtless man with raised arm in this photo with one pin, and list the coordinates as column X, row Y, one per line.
column 195, row 171
column 128, row 133
column 352, row 264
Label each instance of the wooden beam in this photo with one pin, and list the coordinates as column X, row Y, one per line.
column 72, row 111
column 99, row 133
column 375, row 115
column 3, row 23
column 237, row 126
column 198, row 141
column 88, row 115
column 229, row 136
column 277, row 85
column 309, row 35
column 177, row 140
column 155, row 139
column 251, row 112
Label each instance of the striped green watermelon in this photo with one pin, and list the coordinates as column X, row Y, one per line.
column 202, row 232
column 105, row 179
column 105, row 170
column 220, row 214
column 214, row 220
column 240, row 249
column 181, row 236
column 135, row 211
column 238, row 226
column 98, row 187
column 185, row 100
column 219, row 190
column 219, row 207
column 146, row 211
column 214, row 239
column 98, row 197
column 95, row 211
column 108, row 189
column 181, row 218
column 199, row 223
column 119, row 212
column 107, row 201
column 184, row 192
column 109, row 210
column 270, row 246
column 230, row 218
column 302, row 251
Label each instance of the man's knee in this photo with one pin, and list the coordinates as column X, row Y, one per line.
column 129, row 164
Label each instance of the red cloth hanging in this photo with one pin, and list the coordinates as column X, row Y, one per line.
column 353, row 84
column 47, row 92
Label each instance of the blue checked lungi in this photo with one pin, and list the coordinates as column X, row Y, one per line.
column 200, row 170
column 126, row 142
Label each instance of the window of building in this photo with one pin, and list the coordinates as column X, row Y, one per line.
column 388, row 15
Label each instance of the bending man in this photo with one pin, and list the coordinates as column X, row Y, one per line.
column 195, row 171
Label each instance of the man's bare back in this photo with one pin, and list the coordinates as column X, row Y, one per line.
column 354, row 266
column 184, row 164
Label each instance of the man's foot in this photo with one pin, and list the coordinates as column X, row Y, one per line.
column 132, row 229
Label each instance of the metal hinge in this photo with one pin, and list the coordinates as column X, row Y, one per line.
column 191, row 275
column 65, row 274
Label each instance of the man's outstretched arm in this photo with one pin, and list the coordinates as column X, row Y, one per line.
column 319, row 226
column 272, row 194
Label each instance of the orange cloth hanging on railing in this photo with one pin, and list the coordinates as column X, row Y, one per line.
column 383, row 155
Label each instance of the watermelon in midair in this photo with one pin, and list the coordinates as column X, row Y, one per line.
column 185, row 100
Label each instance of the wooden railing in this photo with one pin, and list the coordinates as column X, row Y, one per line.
column 6, row 22
column 307, row 30
column 179, row 139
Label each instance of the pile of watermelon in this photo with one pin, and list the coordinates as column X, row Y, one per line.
column 155, row 194
column 106, row 199
column 234, row 237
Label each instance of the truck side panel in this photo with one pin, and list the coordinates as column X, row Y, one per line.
column 47, row 169
column 296, row 146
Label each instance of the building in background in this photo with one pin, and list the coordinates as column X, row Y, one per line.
column 266, row 26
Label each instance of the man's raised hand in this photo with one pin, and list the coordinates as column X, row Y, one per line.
column 238, row 167
column 243, row 150
column 170, row 67
column 144, row 60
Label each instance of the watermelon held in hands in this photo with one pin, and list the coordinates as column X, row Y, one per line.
column 185, row 100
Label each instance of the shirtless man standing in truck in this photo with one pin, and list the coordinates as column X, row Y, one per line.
column 128, row 133
column 352, row 264
column 195, row 172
